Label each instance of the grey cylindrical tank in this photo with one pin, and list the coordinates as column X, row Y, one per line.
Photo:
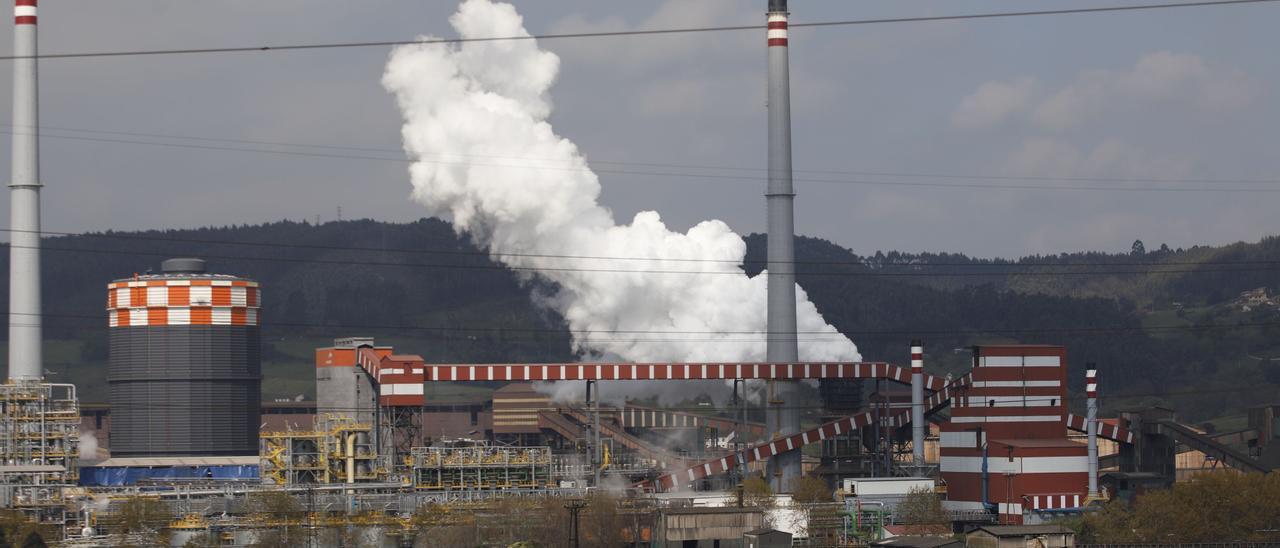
column 185, row 368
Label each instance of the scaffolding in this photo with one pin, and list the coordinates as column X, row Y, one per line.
column 339, row 450
column 480, row 467
column 39, row 448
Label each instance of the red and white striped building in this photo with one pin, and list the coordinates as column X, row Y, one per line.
column 397, row 379
column 1005, row 446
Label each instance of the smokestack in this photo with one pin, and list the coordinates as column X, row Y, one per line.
column 917, row 402
column 1091, row 421
column 781, row 330
column 25, row 361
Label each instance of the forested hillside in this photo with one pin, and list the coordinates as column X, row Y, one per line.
column 1162, row 324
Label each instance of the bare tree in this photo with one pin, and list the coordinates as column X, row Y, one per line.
column 922, row 512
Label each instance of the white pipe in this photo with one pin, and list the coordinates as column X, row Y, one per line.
column 351, row 458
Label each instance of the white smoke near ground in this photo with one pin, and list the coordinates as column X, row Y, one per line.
column 88, row 446
column 485, row 157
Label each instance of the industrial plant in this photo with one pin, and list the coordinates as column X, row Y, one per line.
column 377, row 460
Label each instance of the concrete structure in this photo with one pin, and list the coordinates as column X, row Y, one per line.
column 1005, row 447
column 705, row 527
column 342, row 386
column 370, row 384
column 887, row 492
column 1021, row 536
column 766, row 538
column 185, row 367
column 781, row 346
column 920, row 541
column 25, row 360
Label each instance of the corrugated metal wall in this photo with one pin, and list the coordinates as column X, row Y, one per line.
column 185, row 390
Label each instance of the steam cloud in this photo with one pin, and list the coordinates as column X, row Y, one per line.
column 486, row 158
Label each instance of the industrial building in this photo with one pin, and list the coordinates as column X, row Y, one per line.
column 39, row 421
column 185, row 366
column 186, row 430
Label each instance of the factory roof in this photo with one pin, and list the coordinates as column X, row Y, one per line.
column 712, row 510
column 1037, row 442
column 919, row 541
column 179, row 461
column 29, row 468
column 1021, row 530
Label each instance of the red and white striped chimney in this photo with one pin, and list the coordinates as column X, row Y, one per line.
column 917, row 402
column 1091, row 393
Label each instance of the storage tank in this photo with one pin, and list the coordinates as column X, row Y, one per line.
column 185, row 369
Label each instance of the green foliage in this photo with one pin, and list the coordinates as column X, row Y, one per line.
column 274, row 505
column 331, row 280
column 922, row 512
column 1210, row 508
column 757, row 492
column 19, row 531
column 811, row 490
column 139, row 521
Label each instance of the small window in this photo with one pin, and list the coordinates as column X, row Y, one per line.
column 991, row 403
column 1053, row 402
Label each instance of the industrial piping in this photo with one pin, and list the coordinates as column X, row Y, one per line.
column 917, row 403
column 25, row 360
column 781, row 346
column 1091, row 425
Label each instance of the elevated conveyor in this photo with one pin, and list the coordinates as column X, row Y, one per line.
column 1205, row 444
column 526, row 372
column 782, row 444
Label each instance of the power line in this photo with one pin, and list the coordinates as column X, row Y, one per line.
column 683, row 175
column 399, row 152
column 644, row 32
column 897, row 333
column 744, row 261
column 726, row 272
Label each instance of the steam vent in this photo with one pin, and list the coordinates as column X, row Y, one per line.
column 186, row 370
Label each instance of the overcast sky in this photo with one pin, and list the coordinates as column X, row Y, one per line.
column 1185, row 94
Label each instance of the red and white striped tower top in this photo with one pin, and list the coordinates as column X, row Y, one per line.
column 777, row 31
column 24, row 12
column 917, row 357
column 183, row 300
column 1091, row 383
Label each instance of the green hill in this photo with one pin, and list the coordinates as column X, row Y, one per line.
column 420, row 287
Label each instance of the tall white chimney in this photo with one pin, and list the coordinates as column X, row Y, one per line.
column 25, row 361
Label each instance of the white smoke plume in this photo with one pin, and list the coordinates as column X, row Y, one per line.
column 88, row 446
column 486, row 158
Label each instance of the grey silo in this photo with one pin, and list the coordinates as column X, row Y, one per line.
column 187, row 379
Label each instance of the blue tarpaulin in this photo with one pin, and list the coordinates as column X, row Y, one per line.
column 115, row 476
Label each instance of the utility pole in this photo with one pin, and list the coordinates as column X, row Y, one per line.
column 593, row 407
column 574, row 507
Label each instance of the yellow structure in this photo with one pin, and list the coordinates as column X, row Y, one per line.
column 339, row 450
column 480, row 467
column 39, row 447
